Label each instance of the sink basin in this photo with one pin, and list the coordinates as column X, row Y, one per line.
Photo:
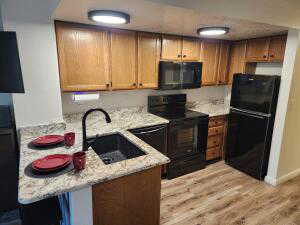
column 114, row 148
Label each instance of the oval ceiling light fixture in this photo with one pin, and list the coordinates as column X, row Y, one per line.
column 109, row 17
column 212, row 31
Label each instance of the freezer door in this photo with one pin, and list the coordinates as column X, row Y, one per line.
column 256, row 93
column 247, row 143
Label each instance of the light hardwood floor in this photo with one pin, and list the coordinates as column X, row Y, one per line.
column 221, row 195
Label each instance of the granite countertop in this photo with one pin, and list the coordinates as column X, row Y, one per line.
column 32, row 188
column 212, row 107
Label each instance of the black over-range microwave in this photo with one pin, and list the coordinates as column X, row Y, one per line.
column 179, row 75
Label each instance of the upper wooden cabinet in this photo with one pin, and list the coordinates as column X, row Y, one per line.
column 148, row 59
column 266, row 49
column 277, row 48
column 223, row 65
column 123, row 59
column 210, row 57
column 190, row 49
column 257, row 49
column 237, row 59
column 180, row 48
column 171, row 47
column 83, row 55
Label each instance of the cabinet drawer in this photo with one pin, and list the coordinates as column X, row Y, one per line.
column 213, row 153
column 216, row 121
column 214, row 141
column 215, row 130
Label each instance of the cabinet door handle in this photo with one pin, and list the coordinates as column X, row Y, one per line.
column 264, row 56
column 271, row 55
column 107, row 85
column 179, row 56
column 134, row 84
column 184, row 56
column 141, row 84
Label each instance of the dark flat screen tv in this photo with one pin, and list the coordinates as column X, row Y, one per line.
column 11, row 80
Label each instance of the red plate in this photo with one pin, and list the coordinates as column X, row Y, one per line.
column 48, row 140
column 52, row 162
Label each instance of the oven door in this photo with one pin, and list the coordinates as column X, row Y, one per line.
column 187, row 137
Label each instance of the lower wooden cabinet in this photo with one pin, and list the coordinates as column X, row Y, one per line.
column 128, row 200
column 216, row 135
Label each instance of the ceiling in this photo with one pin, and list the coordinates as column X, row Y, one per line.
column 163, row 18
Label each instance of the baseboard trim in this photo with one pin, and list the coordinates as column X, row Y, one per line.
column 282, row 179
column 271, row 180
column 288, row 176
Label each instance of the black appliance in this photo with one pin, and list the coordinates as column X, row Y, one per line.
column 8, row 161
column 187, row 133
column 250, row 123
column 11, row 80
column 179, row 75
column 155, row 136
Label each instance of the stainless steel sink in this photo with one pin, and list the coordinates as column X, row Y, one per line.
column 114, row 148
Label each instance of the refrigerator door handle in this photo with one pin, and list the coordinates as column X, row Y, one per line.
column 242, row 112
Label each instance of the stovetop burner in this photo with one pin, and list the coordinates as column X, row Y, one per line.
column 179, row 115
column 171, row 107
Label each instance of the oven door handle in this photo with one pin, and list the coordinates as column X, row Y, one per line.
column 149, row 131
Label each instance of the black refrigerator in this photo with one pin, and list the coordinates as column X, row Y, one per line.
column 250, row 124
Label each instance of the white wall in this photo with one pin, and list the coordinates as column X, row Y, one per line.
column 278, row 148
column 289, row 161
column 269, row 68
column 139, row 98
column 41, row 103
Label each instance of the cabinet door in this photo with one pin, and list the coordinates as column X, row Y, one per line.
column 123, row 59
column 257, row 49
column 209, row 57
column 148, row 59
column 237, row 59
column 83, row 57
column 223, row 62
column 190, row 49
column 171, row 47
column 277, row 48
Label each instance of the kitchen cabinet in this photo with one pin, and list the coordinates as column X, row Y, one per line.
column 277, row 48
column 190, row 49
column 129, row 200
column 223, row 64
column 210, row 57
column 270, row 49
column 216, row 137
column 257, row 49
column 237, row 59
column 180, row 48
column 148, row 59
column 123, row 59
column 83, row 56
column 171, row 47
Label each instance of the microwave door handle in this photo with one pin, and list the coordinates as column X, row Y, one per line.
column 195, row 73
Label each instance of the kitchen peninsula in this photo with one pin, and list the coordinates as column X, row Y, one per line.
column 80, row 186
column 85, row 187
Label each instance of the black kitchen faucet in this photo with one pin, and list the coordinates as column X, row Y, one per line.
column 84, row 139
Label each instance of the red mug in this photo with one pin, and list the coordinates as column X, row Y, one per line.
column 69, row 139
column 79, row 160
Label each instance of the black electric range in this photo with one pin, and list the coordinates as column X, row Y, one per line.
column 187, row 133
